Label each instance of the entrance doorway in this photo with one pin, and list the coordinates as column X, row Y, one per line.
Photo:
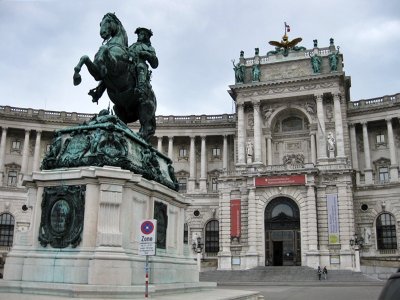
column 282, row 233
column 278, row 253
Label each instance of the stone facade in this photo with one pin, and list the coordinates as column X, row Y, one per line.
column 311, row 168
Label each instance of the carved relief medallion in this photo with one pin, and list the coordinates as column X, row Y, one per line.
column 63, row 209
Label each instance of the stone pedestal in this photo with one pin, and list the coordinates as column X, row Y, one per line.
column 104, row 253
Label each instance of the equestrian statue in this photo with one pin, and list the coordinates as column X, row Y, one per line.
column 124, row 72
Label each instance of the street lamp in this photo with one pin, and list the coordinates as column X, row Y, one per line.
column 357, row 243
column 197, row 246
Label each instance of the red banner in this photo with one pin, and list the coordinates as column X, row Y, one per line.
column 280, row 180
column 235, row 218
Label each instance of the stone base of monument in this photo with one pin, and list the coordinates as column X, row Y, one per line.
column 84, row 237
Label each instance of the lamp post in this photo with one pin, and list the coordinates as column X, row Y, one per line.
column 357, row 243
column 198, row 248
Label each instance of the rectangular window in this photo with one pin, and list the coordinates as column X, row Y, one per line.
column 216, row 152
column 16, row 145
column 380, row 138
column 12, row 178
column 182, row 152
column 182, row 184
column 185, row 233
column 383, row 174
column 214, row 184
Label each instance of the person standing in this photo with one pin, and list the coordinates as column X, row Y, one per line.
column 319, row 272
column 325, row 272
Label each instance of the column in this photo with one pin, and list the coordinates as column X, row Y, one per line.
column 203, row 166
column 368, row 170
column 25, row 156
column 252, row 221
column 159, row 143
column 257, row 133
column 313, row 148
column 192, row 165
column 224, row 255
column 36, row 154
column 354, row 152
column 2, row 153
column 225, row 153
column 269, row 150
column 252, row 229
column 312, row 230
column 321, row 128
column 394, row 173
column 171, row 147
column 241, row 134
column 338, row 126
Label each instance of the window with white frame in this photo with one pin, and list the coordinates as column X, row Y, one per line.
column 216, row 152
column 12, row 178
column 183, row 152
column 380, row 138
column 383, row 174
column 16, row 145
column 214, row 184
column 182, row 184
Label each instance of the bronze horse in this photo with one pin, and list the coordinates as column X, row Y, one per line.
column 115, row 69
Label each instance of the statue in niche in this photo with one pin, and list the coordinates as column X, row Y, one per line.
column 367, row 235
column 249, row 151
column 331, row 142
column 334, row 60
column 316, row 63
column 256, row 72
column 239, row 72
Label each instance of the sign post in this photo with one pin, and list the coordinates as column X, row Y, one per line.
column 147, row 246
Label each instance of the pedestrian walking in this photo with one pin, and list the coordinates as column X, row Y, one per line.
column 325, row 272
column 319, row 272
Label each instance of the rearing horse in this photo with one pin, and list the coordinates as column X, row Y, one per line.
column 115, row 70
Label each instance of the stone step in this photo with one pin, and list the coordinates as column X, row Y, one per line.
column 281, row 274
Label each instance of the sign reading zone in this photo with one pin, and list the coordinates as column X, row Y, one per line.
column 147, row 237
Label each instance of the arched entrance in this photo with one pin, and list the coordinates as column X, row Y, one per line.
column 282, row 233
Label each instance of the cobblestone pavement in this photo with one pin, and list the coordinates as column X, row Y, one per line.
column 335, row 291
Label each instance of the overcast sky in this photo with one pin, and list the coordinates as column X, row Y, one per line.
column 195, row 41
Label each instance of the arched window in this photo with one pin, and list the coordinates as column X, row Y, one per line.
column 6, row 229
column 212, row 237
column 386, row 232
column 292, row 124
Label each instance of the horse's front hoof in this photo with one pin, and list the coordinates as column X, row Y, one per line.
column 77, row 79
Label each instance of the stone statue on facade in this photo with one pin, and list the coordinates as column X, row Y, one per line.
column 124, row 73
column 334, row 60
column 239, row 72
column 249, row 151
column 256, row 72
column 316, row 63
column 331, row 144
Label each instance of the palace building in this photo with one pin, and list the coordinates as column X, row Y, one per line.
column 300, row 175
